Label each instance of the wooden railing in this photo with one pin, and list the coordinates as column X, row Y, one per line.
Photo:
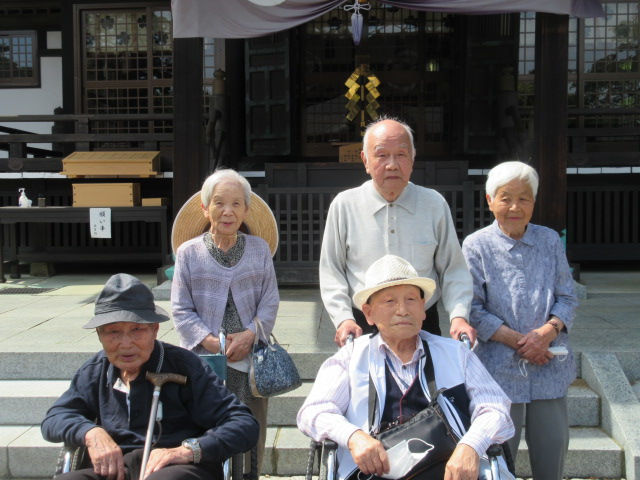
column 77, row 133
column 602, row 223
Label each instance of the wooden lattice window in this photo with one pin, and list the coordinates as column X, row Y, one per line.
column 127, row 66
column 19, row 59
column 603, row 66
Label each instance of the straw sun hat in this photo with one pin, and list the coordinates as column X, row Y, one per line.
column 390, row 271
column 191, row 222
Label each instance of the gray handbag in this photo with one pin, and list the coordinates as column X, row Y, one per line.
column 272, row 370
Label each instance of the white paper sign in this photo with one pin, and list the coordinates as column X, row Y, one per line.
column 100, row 222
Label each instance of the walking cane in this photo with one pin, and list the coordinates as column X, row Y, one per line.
column 158, row 380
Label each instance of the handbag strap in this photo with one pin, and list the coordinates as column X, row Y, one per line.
column 428, row 371
column 259, row 331
column 260, row 334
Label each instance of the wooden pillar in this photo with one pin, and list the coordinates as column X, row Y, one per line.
column 190, row 151
column 550, row 119
column 234, row 62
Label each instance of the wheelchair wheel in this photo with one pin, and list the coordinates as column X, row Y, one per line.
column 314, row 451
column 237, row 467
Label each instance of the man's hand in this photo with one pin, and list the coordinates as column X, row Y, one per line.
column 239, row 345
column 368, row 453
column 344, row 329
column 464, row 464
column 161, row 457
column 459, row 326
column 105, row 454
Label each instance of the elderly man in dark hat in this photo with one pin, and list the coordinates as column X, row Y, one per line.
column 109, row 401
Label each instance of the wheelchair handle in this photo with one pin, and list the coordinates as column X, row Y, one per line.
column 464, row 338
column 222, row 338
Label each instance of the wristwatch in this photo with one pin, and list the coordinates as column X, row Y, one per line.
column 194, row 445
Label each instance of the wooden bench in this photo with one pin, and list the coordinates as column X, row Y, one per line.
column 11, row 217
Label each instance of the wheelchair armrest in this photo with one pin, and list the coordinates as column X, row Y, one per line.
column 71, row 458
column 329, row 445
column 494, row 450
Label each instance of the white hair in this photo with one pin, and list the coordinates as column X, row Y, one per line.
column 504, row 173
column 219, row 176
column 367, row 133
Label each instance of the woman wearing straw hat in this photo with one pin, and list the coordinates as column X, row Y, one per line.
column 225, row 278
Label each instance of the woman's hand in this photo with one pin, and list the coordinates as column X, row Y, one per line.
column 211, row 343
column 239, row 345
column 368, row 453
column 507, row 336
column 464, row 464
column 535, row 344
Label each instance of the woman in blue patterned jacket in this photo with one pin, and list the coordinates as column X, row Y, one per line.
column 524, row 303
column 224, row 278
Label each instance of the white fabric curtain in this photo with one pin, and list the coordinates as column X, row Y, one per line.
column 245, row 19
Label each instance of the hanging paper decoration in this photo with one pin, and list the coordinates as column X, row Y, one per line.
column 362, row 86
column 356, row 18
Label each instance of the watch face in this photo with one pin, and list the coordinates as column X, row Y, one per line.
column 194, row 445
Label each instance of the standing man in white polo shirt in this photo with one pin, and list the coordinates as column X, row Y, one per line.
column 390, row 215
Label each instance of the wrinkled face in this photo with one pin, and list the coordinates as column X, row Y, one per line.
column 227, row 208
column 513, row 207
column 389, row 159
column 398, row 312
column 128, row 345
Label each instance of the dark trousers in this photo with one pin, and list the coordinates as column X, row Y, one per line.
column 431, row 324
column 133, row 462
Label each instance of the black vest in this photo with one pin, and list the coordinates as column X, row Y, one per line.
column 396, row 404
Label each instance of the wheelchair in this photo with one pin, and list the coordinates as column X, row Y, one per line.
column 490, row 467
column 74, row 458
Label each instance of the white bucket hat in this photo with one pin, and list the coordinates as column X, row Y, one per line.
column 390, row 271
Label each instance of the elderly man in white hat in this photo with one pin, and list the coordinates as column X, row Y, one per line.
column 393, row 361
column 109, row 401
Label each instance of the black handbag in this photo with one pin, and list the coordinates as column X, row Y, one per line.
column 430, row 425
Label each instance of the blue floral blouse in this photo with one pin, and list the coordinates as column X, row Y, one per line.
column 520, row 283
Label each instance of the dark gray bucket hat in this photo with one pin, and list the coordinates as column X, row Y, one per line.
column 125, row 298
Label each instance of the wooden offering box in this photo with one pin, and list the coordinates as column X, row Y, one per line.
column 111, row 164
column 155, row 202
column 106, row 194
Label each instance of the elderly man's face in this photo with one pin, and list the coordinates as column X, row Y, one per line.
column 398, row 312
column 389, row 159
column 513, row 207
column 128, row 345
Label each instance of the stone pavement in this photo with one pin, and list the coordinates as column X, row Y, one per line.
column 608, row 319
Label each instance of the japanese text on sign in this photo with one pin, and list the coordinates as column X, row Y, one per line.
column 100, row 222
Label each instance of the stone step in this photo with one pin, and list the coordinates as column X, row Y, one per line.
column 63, row 365
column 25, row 402
column 592, row 453
column 24, row 454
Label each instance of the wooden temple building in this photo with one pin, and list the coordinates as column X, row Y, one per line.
column 281, row 90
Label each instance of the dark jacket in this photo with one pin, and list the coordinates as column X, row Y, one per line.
column 202, row 409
